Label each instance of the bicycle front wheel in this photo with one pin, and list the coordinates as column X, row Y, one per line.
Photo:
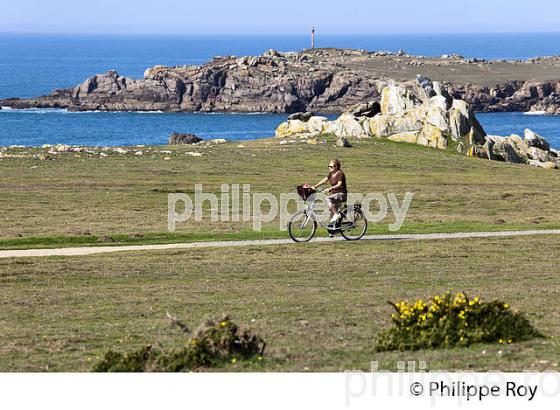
column 356, row 226
column 302, row 227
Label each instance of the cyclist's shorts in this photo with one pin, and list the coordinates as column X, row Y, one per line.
column 336, row 199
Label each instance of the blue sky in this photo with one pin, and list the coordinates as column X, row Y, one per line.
column 284, row 16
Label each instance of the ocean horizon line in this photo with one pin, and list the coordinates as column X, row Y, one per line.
column 291, row 33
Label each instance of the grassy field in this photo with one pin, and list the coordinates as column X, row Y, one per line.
column 481, row 74
column 90, row 200
column 319, row 307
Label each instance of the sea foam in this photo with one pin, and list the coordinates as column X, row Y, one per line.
column 534, row 113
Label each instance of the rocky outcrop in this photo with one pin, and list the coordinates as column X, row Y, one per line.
column 287, row 83
column 510, row 96
column 365, row 109
column 532, row 150
column 320, row 80
column 301, row 116
column 548, row 105
column 177, row 139
column 427, row 115
column 533, row 139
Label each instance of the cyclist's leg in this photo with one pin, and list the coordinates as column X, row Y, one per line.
column 334, row 201
column 331, row 204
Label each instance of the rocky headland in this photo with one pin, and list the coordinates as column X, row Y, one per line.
column 320, row 80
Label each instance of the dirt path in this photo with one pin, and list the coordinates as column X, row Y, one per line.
column 231, row 244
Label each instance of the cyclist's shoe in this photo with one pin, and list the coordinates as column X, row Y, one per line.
column 335, row 217
column 331, row 235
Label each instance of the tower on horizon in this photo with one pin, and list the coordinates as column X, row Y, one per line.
column 312, row 37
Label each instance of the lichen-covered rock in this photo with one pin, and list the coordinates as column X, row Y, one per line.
column 545, row 165
column 485, row 151
column 431, row 121
column 520, row 147
column 402, row 116
column 289, row 128
column 437, row 117
column 347, row 126
column 463, row 120
column 459, row 121
column 411, row 137
column 464, row 126
column 441, row 102
column 282, row 130
column 533, row 139
column 311, row 126
column 317, row 124
column 386, row 125
column 432, row 136
column 426, row 85
column 442, row 92
column 514, row 149
column 540, row 155
column 434, row 89
column 505, row 151
column 396, row 100
column 365, row 122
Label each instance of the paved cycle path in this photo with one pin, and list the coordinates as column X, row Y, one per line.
column 260, row 242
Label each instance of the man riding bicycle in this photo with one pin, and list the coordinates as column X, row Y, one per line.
column 337, row 193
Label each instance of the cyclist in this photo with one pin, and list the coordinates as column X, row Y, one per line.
column 337, row 193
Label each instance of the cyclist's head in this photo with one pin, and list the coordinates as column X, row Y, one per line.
column 334, row 164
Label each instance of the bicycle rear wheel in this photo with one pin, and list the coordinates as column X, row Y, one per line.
column 302, row 227
column 357, row 225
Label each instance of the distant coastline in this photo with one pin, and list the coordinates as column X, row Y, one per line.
column 36, row 65
column 324, row 80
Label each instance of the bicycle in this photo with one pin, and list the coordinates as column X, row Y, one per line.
column 302, row 226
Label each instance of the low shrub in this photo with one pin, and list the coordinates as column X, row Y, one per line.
column 130, row 362
column 448, row 321
column 213, row 344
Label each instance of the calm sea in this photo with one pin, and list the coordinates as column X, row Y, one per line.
column 32, row 65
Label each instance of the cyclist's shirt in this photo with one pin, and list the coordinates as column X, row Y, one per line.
column 334, row 178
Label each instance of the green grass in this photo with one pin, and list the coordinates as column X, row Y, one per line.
column 85, row 200
column 318, row 306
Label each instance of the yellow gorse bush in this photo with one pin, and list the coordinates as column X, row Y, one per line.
column 449, row 320
column 418, row 312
